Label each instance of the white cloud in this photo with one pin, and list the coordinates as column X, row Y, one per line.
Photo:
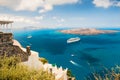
column 58, row 19
column 49, row 4
column 54, row 17
column 117, row 3
column 61, row 20
column 30, row 5
column 102, row 3
column 38, row 22
column 39, row 17
column 20, row 21
column 10, row 3
column 46, row 8
column 106, row 3
column 33, row 5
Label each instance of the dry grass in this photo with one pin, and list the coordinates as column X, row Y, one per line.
column 10, row 69
column 107, row 74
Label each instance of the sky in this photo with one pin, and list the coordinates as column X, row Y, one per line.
column 61, row 13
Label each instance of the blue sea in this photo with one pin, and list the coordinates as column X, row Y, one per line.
column 92, row 53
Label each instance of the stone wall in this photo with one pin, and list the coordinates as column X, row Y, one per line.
column 7, row 48
column 6, row 39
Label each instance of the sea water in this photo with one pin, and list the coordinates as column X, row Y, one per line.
column 91, row 53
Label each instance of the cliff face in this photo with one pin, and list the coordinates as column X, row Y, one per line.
column 7, row 48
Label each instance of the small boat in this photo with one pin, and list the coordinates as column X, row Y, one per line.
column 72, row 55
column 71, row 40
column 29, row 37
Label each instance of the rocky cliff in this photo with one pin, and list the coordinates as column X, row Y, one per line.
column 7, row 48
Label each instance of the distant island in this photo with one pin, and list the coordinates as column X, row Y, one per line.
column 87, row 31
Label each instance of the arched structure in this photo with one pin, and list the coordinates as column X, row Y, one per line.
column 6, row 35
column 6, row 26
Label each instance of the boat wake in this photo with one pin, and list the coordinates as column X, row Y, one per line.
column 76, row 64
column 72, row 55
column 29, row 37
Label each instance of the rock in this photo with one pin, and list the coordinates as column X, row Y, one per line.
column 7, row 48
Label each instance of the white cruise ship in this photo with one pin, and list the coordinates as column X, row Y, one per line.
column 71, row 40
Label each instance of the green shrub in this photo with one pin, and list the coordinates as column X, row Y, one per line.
column 69, row 73
column 10, row 69
column 43, row 60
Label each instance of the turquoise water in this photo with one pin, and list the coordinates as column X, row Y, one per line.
column 91, row 53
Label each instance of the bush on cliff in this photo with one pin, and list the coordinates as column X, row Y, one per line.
column 10, row 69
column 69, row 73
column 43, row 60
column 106, row 74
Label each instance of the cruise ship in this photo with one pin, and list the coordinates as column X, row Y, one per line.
column 71, row 40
